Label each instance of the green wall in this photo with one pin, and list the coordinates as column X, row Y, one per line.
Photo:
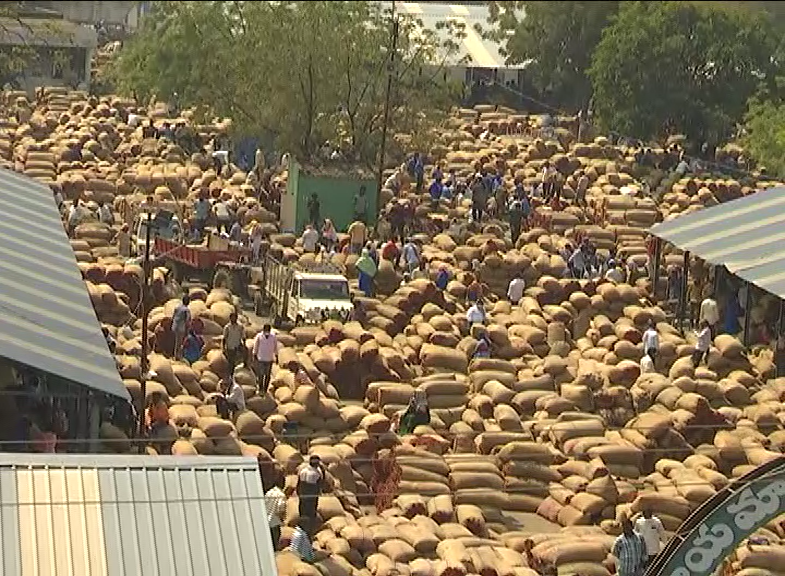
column 336, row 196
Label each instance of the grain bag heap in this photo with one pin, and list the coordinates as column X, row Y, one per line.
column 558, row 429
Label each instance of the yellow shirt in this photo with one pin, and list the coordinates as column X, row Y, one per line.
column 357, row 232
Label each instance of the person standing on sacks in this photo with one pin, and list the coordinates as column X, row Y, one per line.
column 265, row 349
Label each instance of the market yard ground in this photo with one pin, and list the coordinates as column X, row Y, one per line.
column 536, row 451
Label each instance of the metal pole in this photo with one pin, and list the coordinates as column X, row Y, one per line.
column 387, row 97
column 654, row 262
column 748, row 314
column 145, row 314
column 778, row 342
column 683, row 295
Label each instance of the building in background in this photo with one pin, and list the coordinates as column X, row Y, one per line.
column 41, row 48
column 113, row 14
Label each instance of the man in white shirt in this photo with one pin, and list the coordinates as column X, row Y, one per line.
column 309, row 486
column 275, row 502
column 310, row 239
column 577, row 263
column 411, row 256
column 105, row 215
column 265, row 349
column 515, row 289
column 614, row 273
column 653, row 533
column 647, row 363
column 703, row 344
column 476, row 314
column 236, row 396
column 76, row 214
column 710, row 313
column 223, row 217
column 651, row 340
column 59, row 201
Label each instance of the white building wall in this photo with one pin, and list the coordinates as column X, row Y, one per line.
column 116, row 13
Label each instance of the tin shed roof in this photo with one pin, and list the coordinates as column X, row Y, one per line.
column 130, row 515
column 745, row 235
column 46, row 318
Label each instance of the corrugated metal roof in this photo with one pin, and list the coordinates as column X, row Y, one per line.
column 481, row 53
column 116, row 515
column 746, row 235
column 46, row 318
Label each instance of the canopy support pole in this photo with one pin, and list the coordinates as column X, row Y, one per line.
column 683, row 293
column 654, row 264
column 778, row 341
column 748, row 314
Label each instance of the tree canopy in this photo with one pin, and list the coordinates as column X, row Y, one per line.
column 304, row 71
column 665, row 67
column 557, row 40
column 764, row 138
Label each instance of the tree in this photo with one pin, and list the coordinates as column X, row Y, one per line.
column 764, row 138
column 305, row 71
column 681, row 67
column 557, row 40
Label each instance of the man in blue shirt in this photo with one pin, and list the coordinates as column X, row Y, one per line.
column 436, row 192
column 442, row 278
column 417, row 171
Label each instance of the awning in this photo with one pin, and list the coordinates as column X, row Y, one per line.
column 746, row 235
column 114, row 515
column 46, row 318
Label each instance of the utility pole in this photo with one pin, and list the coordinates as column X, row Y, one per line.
column 388, row 95
column 145, row 364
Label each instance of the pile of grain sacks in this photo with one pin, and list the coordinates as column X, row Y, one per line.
column 558, row 428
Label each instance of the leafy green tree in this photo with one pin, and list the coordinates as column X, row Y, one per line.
column 764, row 138
column 557, row 40
column 304, row 71
column 681, row 67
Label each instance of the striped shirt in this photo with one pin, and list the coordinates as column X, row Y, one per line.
column 630, row 552
column 301, row 545
column 275, row 502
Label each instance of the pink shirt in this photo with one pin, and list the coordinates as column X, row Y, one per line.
column 265, row 346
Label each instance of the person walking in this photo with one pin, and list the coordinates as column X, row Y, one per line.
column 703, row 344
column 223, row 217
column 301, row 541
column 366, row 269
column 310, row 239
column 653, row 533
column 329, row 235
column 265, row 349
column 476, row 314
column 515, row 217
column 629, row 550
column 275, row 502
column 314, row 210
column 256, row 236
column 651, row 340
column 361, row 206
column 181, row 323
column 710, row 313
column 411, row 256
column 417, row 413
column 358, row 236
column 516, row 288
column 234, row 342
column 310, row 480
